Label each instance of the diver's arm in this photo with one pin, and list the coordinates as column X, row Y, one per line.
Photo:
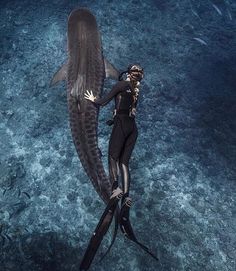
column 108, row 97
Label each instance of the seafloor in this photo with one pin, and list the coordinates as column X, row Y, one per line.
column 183, row 167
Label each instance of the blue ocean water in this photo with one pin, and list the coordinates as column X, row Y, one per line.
column 183, row 167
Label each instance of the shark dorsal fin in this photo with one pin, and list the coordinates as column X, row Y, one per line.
column 110, row 70
column 59, row 75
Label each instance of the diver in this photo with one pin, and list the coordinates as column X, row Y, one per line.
column 121, row 144
column 124, row 133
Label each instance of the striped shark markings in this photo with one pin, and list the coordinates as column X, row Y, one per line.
column 86, row 68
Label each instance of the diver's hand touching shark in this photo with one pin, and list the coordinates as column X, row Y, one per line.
column 89, row 96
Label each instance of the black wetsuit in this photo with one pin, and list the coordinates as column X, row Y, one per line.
column 124, row 132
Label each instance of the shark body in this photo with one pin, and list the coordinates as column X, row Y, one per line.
column 86, row 69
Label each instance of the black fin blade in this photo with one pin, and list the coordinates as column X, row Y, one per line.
column 146, row 249
column 99, row 233
column 114, row 233
column 127, row 230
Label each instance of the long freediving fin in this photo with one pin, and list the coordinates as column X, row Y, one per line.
column 101, row 229
column 127, row 229
column 114, row 233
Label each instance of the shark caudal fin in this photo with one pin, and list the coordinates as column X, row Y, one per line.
column 110, row 70
column 60, row 75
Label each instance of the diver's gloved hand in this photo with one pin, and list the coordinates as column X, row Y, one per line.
column 89, row 96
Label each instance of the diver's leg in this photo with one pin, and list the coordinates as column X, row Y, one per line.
column 125, row 174
column 114, row 171
column 125, row 224
column 116, row 146
column 124, row 160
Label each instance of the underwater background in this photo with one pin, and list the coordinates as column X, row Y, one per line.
column 183, row 167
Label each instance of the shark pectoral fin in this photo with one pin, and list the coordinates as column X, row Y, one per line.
column 59, row 75
column 110, row 70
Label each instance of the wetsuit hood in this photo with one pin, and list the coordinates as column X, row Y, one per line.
column 136, row 72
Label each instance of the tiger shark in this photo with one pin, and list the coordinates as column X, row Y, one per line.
column 86, row 69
